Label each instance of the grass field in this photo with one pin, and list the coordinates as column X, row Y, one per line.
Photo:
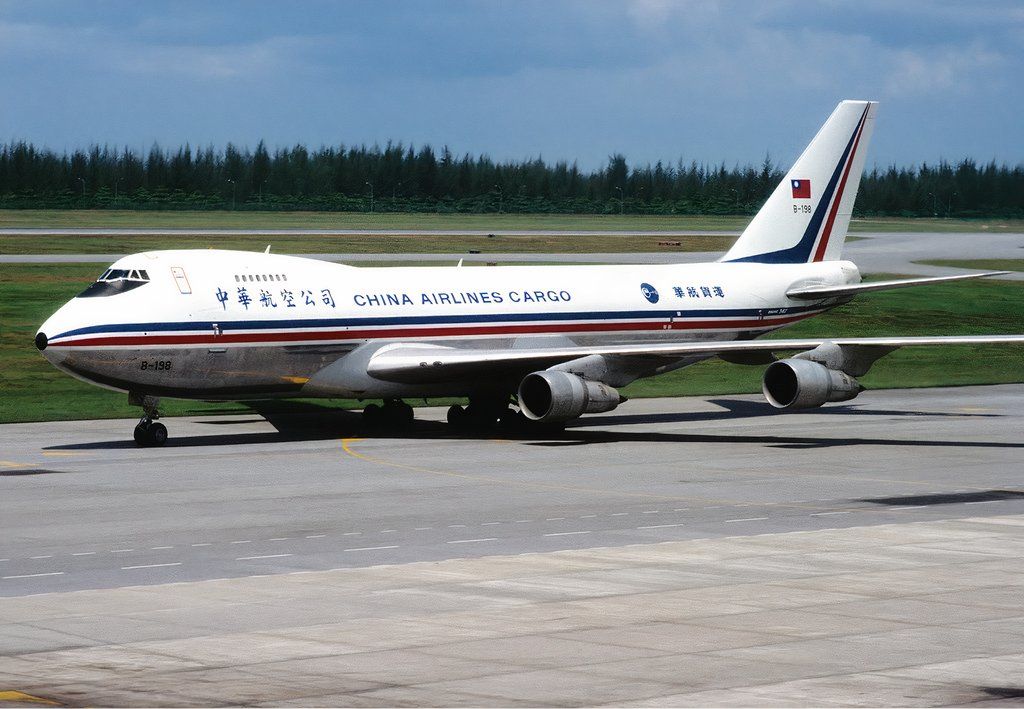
column 981, row 264
column 389, row 244
column 32, row 390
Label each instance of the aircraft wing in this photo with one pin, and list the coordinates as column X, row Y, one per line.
column 413, row 363
column 819, row 292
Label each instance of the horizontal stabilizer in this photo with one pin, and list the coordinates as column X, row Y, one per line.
column 423, row 364
column 819, row 292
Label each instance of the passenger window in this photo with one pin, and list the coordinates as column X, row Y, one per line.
column 236, row 278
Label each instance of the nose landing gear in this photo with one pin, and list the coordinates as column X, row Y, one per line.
column 148, row 433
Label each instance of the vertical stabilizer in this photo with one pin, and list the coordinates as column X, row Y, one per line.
column 807, row 215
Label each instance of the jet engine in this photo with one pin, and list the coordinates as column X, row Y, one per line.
column 553, row 396
column 803, row 384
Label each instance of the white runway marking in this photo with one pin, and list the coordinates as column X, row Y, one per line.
column 44, row 556
column 982, row 502
column 554, row 519
column 488, row 524
column 278, row 539
column 618, row 514
column 242, row 541
column 470, row 541
column 661, row 526
column 83, row 553
column 565, row 534
column 836, row 512
column 391, row 546
column 747, row 519
column 908, row 507
column 158, row 548
column 31, row 576
column 351, row 534
column 150, row 566
column 264, row 556
column 120, row 551
column 203, row 544
column 315, row 536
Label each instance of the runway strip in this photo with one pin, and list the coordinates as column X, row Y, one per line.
column 920, row 614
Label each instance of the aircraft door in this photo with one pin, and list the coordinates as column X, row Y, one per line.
column 181, row 280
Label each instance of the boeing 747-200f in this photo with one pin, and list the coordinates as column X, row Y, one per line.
column 553, row 342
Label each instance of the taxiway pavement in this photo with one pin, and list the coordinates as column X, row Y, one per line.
column 875, row 252
column 676, row 551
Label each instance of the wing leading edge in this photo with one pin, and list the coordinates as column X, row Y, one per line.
column 424, row 364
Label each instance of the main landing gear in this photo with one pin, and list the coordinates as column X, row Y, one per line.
column 489, row 413
column 395, row 413
column 149, row 433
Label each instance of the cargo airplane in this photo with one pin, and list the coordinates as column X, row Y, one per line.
column 524, row 344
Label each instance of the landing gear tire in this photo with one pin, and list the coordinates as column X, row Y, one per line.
column 457, row 416
column 394, row 414
column 149, row 434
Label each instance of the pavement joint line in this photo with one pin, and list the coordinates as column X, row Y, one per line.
column 470, row 541
column 30, row 576
column 263, row 556
column 390, row 546
column 150, row 566
column 566, row 534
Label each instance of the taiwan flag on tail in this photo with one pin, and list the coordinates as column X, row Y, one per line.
column 801, row 189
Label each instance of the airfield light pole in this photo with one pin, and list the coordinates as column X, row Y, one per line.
column 622, row 201
column 232, row 194
column 371, row 196
column 82, row 180
column 501, row 197
column 949, row 205
column 116, row 183
column 261, row 189
column 393, row 189
column 935, row 209
column 735, row 200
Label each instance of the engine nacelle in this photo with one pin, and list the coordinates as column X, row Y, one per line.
column 553, row 397
column 802, row 384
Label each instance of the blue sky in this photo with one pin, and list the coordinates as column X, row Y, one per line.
column 714, row 80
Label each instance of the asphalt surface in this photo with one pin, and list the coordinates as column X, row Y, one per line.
column 84, row 508
column 675, row 552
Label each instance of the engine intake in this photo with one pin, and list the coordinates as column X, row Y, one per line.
column 802, row 384
column 552, row 396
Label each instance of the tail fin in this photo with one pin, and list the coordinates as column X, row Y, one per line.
column 807, row 215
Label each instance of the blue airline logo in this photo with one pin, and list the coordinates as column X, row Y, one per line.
column 650, row 292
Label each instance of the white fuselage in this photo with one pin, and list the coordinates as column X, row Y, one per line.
column 239, row 325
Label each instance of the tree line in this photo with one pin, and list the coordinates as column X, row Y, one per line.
column 403, row 178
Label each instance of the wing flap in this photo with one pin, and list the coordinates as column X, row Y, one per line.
column 422, row 363
column 821, row 292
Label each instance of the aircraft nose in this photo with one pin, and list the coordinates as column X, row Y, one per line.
column 41, row 341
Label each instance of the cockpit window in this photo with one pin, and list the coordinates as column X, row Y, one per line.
column 114, row 281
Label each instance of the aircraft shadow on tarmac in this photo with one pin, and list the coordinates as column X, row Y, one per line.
column 301, row 422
